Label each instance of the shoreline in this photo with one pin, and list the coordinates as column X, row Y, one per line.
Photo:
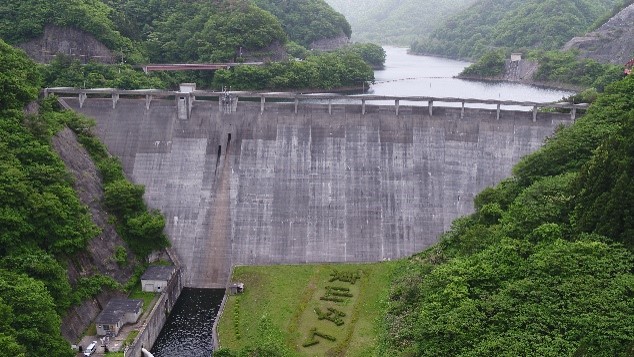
column 539, row 84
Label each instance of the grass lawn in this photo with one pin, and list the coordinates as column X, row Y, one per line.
column 280, row 303
column 148, row 298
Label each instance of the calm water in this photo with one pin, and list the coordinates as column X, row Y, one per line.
column 408, row 75
column 187, row 331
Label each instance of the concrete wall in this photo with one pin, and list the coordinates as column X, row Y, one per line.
column 310, row 187
column 154, row 286
column 157, row 317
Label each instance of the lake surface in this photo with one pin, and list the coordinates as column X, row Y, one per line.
column 409, row 75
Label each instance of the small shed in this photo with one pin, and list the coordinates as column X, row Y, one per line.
column 155, row 278
column 516, row 57
column 117, row 313
column 236, row 288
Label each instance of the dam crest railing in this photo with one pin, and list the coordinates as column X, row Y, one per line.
column 229, row 100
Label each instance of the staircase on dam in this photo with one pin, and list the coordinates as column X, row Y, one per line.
column 305, row 181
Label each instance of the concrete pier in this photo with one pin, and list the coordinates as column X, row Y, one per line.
column 295, row 182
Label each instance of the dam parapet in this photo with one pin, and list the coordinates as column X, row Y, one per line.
column 278, row 178
column 188, row 97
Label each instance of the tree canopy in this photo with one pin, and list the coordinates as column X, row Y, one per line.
column 512, row 24
column 544, row 266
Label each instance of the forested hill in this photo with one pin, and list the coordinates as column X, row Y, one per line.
column 167, row 30
column 56, row 255
column 544, row 266
column 514, row 24
column 306, row 21
column 396, row 22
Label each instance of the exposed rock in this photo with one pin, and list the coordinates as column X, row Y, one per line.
column 68, row 41
column 273, row 52
column 330, row 44
column 611, row 43
column 97, row 258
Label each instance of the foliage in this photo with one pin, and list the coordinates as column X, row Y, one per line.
column 604, row 202
column 121, row 256
column 306, row 21
column 372, row 54
column 572, row 147
column 323, row 70
column 544, row 266
column 29, row 321
column 211, row 31
column 19, row 81
column 23, row 20
column 42, row 222
column 490, row 65
column 64, row 71
column 90, row 286
column 564, row 67
column 512, row 24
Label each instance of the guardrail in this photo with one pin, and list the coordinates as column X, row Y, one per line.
column 296, row 98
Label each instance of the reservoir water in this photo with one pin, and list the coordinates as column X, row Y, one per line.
column 409, row 75
column 188, row 331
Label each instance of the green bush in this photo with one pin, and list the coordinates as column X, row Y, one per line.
column 491, row 64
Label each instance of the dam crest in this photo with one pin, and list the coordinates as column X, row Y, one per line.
column 278, row 178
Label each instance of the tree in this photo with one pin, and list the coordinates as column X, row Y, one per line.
column 36, row 325
column 19, row 78
column 124, row 198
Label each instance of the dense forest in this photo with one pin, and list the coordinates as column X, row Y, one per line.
column 544, row 266
column 43, row 224
column 306, row 21
column 514, row 24
column 171, row 31
column 396, row 22
column 164, row 31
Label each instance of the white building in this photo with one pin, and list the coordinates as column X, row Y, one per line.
column 156, row 278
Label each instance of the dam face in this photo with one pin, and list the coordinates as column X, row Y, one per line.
column 280, row 187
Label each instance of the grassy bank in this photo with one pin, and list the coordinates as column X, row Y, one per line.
column 280, row 306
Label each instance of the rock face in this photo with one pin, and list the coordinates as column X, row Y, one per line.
column 330, row 44
column 97, row 258
column 611, row 43
column 69, row 41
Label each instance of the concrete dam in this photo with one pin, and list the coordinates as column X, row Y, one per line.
column 255, row 181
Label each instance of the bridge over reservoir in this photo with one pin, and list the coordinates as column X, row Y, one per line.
column 279, row 178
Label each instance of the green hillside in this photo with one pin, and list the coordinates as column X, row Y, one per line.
column 396, row 22
column 171, row 31
column 544, row 266
column 513, row 24
column 306, row 21
column 43, row 224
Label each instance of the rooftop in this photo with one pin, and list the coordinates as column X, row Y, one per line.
column 163, row 273
column 116, row 309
